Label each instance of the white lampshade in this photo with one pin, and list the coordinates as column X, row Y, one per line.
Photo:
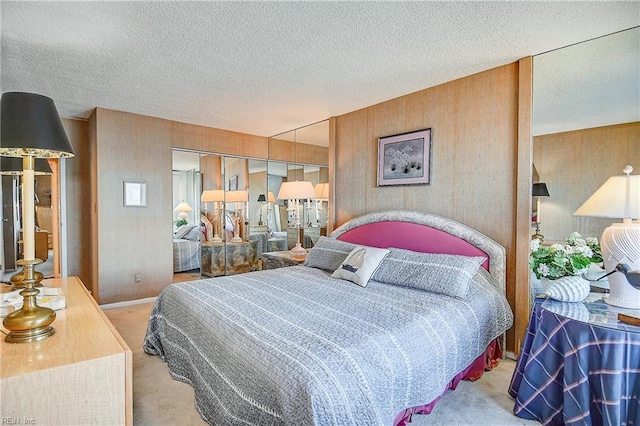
column 183, row 207
column 300, row 190
column 610, row 200
column 619, row 197
column 322, row 191
column 271, row 198
column 212, row 195
column 236, row 196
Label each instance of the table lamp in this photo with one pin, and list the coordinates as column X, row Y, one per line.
column 539, row 190
column 261, row 199
column 215, row 196
column 239, row 197
column 322, row 194
column 30, row 128
column 13, row 166
column 182, row 208
column 294, row 192
column 618, row 197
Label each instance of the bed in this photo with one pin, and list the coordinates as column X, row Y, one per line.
column 354, row 336
column 186, row 248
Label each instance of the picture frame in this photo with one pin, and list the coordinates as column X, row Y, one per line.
column 135, row 194
column 405, row 159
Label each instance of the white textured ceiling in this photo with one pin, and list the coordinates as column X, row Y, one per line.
column 268, row 67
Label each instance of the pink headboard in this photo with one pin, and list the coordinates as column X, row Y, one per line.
column 411, row 236
column 426, row 233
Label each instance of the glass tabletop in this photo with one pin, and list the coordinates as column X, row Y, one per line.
column 593, row 311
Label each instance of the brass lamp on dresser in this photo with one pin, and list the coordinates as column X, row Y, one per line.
column 80, row 375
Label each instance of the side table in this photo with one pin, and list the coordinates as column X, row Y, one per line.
column 578, row 365
column 280, row 259
column 219, row 259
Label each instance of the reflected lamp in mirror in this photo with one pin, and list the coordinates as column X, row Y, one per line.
column 261, row 199
column 294, row 192
column 322, row 192
column 215, row 196
column 239, row 197
column 13, row 166
column 618, row 198
column 539, row 190
column 182, row 209
column 30, row 128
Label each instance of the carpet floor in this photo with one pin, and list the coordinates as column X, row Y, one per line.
column 160, row 400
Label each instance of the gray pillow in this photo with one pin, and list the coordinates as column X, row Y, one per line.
column 446, row 274
column 182, row 231
column 328, row 253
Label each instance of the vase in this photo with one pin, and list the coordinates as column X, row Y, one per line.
column 572, row 288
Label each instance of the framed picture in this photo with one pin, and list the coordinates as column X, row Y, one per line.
column 405, row 159
column 135, row 194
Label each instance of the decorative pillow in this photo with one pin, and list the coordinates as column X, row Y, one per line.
column 360, row 264
column 328, row 253
column 194, row 234
column 447, row 274
column 567, row 289
column 181, row 231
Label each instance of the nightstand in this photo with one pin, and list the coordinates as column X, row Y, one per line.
column 219, row 259
column 578, row 361
column 280, row 259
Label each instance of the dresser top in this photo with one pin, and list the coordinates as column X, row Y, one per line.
column 82, row 333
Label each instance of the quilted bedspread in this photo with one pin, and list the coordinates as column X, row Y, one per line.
column 186, row 255
column 293, row 346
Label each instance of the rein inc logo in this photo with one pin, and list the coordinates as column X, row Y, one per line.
column 17, row 421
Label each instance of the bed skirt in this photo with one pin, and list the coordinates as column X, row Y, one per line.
column 485, row 362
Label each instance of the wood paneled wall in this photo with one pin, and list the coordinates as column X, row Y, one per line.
column 296, row 152
column 474, row 122
column 130, row 240
column 574, row 165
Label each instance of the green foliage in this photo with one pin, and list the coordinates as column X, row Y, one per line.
column 560, row 260
column 179, row 222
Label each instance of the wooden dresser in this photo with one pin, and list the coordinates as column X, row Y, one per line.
column 80, row 375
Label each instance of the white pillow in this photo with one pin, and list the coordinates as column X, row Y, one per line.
column 360, row 264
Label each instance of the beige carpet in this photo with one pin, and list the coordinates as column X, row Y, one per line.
column 160, row 400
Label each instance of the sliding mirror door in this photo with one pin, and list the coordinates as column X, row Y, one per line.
column 586, row 128
column 187, row 233
column 301, row 155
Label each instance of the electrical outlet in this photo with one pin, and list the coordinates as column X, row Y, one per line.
column 138, row 277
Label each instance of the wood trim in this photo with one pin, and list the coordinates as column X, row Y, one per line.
column 523, row 199
column 331, row 212
column 55, row 214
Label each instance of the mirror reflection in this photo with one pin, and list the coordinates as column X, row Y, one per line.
column 228, row 216
column 187, row 233
column 586, row 124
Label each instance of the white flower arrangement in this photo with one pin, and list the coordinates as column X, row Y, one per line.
column 560, row 260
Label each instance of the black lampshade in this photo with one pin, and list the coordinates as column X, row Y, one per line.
column 31, row 125
column 262, row 198
column 13, row 166
column 540, row 190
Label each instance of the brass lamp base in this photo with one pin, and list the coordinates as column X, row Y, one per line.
column 32, row 323
column 538, row 235
column 17, row 279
